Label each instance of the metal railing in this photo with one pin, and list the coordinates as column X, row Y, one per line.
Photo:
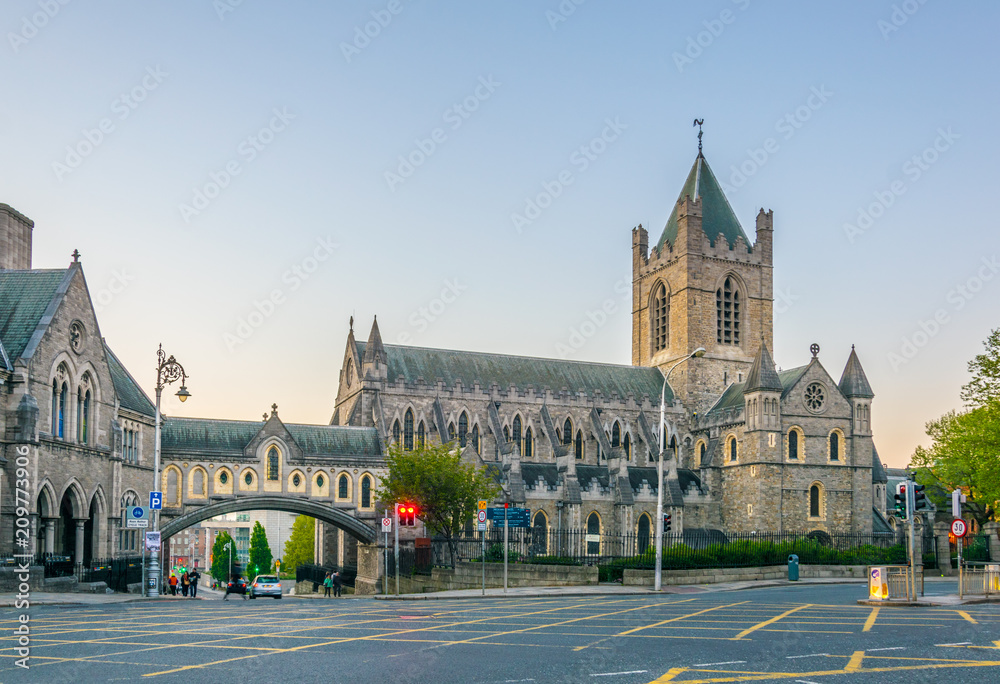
column 897, row 583
column 978, row 578
column 311, row 572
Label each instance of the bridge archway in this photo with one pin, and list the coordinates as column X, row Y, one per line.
column 361, row 531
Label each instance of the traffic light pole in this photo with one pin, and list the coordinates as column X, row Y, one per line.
column 396, row 529
column 910, row 506
column 505, row 528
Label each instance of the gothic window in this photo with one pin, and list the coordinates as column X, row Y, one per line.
column 319, row 482
column 539, row 534
column 506, row 433
column 349, row 372
column 366, row 492
column 661, row 311
column 567, row 433
column 343, row 487
column 616, row 435
column 128, row 539
column 421, row 434
column 408, row 430
column 451, row 432
column 733, row 453
column 579, row 445
column 272, row 463
column 834, row 446
column 815, row 499
column 59, row 392
column 642, row 540
column 593, row 528
column 396, row 433
column 516, row 432
column 673, row 446
column 529, row 443
column 702, row 448
column 248, row 478
column 475, row 439
column 463, row 429
column 727, row 313
column 793, row 444
column 296, row 480
column 627, row 445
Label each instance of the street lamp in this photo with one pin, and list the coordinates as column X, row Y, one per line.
column 658, row 583
column 167, row 371
column 229, row 545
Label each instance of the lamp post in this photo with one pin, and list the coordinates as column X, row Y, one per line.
column 658, row 583
column 167, row 371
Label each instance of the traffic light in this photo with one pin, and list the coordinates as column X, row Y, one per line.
column 900, row 506
column 919, row 499
column 407, row 515
column 666, row 523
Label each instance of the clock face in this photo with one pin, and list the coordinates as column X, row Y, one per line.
column 77, row 336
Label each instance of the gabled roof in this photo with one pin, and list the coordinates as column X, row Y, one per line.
column 854, row 382
column 716, row 214
column 24, row 297
column 229, row 437
column 762, row 376
column 733, row 396
column 450, row 366
column 129, row 393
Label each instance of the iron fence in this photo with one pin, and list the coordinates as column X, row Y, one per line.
column 975, row 549
column 117, row 573
column 310, row 572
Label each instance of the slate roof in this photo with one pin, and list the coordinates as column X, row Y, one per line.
column 505, row 370
column 717, row 215
column 532, row 472
column 854, row 382
column 586, row 474
column 879, row 524
column 24, row 297
column 129, row 393
column 878, row 471
column 229, row 437
column 639, row 476
column 762, row 375
column 733, row 396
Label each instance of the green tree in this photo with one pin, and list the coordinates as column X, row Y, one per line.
column 985, row 369
column 221, row 568
column 435, row 479
column 300, row 545
column 260, row 553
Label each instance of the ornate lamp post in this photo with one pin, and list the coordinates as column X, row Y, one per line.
column 167, row 371
column 658, row 583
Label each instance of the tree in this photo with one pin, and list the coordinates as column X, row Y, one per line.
column 445, row 490
column 221, row 569
column 300, row 545
column 985, row 369
column 965, row 454
column 260, row 553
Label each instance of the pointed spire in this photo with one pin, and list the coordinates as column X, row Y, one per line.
column 374, row 349
column 854, row 382
column 717, row 215
column 762, row 376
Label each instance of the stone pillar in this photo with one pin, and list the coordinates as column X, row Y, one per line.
column 943, row 548
column 367, row 581
column 990, row 529
column 50, row 535
column 78, row 555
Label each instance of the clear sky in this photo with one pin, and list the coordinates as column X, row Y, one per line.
column 367, row 158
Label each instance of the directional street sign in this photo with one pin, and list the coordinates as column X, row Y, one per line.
column 387, row 525
column 959, row 528
column 156, row 500
column 516, row 517
column 137, row 517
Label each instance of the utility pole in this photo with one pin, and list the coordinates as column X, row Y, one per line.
column 396, row 530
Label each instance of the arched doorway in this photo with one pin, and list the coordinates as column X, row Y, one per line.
column 539, row 534
column 593, row 534
column 66, row 542
column 642, row 539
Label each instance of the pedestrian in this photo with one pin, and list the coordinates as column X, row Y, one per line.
column 185, row 583
column 337, row 584
column 173, row 584
column 327, row 584
column 194, row 576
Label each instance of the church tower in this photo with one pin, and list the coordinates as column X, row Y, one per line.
column 703, row 284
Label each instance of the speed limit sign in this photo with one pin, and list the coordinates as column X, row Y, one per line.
column 482, row 516
column 959, row 528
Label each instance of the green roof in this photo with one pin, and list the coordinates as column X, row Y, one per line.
column 229, row 437
column 129, row 393
column 733, row 396
column 716, row 214
column 24, row 297
column 522, row 372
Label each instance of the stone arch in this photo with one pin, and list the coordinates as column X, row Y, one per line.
column 321, row 483
column 299, row 488
column 74, row 491
column 171, row 484
column 220, row 487
column 197, row 484
column 643, row 532
column 336, row 517
column 46, row 500
column 97, row 525
column 540, row 533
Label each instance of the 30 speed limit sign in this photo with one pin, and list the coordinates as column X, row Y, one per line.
column 959, row 528
column 482, row 516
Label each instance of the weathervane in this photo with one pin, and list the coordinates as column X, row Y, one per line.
column 698, row 123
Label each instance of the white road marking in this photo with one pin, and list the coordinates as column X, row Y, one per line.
column 615, row 674
column 811, row 655
column 893, row 648
column 805, row 681
column 961, row 643
column 728, row 662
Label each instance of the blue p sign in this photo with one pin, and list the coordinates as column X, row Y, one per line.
column 156, row 500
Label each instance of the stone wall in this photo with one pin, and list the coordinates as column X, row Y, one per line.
column 644, row 578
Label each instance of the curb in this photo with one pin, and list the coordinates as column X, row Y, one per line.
column 925, row 603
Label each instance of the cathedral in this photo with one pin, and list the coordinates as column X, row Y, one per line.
column 745, row 447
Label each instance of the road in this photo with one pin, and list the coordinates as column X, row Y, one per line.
column 800, row 634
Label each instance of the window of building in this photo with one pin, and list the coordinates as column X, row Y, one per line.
column 834, row 446
column 815, row 397
column 366, row 492
column 661, row 311
column 516, row 431
column 343, row 487
column 475, row 439
column 539, row 534
column 463, row 429
column 59, row 392
column 82, row 416
column 616, row 435
column 248, row 478
column 642, row 538
column 793, row 444
column 506, row 434
column 567, row 432
column 319, row 482
column 627, row 446
column 128, row 540
column 408, row 430
column 702, row 449
column 397, row 433
column 815, row 500
column 733, row 450
column 272, row 463
column 593, row 530
column 727, row 313
column 579, row 445
column 421, row 435
column 451, row 432
column 529, row 443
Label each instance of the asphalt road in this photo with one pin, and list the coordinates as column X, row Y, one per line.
column 800, row 634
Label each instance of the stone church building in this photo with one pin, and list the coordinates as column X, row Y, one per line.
column 749, row 448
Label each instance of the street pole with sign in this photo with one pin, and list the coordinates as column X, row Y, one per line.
column 505, row 507
column 481, row 528
column 396, row 531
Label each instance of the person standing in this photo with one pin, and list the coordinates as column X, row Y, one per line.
column 194, row 576
column 337, row 583
column 185, row 582
column 327, row 583
column 173, row 584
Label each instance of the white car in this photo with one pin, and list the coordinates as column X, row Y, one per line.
column 265, row 585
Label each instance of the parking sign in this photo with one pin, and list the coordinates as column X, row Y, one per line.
column 156, row 500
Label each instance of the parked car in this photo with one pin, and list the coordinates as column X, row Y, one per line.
column 265, row 585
